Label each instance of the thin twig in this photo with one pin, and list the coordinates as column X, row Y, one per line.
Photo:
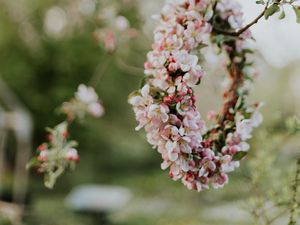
column 101, row 69
column 242, row 30
column 272, row 220
column 132, row 70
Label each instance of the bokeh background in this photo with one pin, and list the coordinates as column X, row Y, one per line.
column 47, row 48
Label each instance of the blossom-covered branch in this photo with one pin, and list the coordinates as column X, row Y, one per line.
column 165, row 104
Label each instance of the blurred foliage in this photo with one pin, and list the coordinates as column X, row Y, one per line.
column 46, row 76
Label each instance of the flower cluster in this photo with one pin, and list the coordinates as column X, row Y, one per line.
column 55, row 155
column 59, row 153
column 86, row 101
column 165, row 104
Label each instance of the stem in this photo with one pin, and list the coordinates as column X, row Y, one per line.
column 132, row 70
column 94, row 81
column 294, row 204
column 52, row 179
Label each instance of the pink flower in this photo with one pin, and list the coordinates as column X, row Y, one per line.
column 185, row 60
column 72, row 154
column 109, row 40
column 43, row 155
column 175, row 172
column 219, row 180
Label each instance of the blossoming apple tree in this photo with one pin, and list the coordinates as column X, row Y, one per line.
column 199, row 155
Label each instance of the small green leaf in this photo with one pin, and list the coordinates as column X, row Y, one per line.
column 71, row 144
column 260, row 2
column 282, row 15
column 239, row 103
column 297, row 12
column 239, row 155
column 33, row 162
column 271, row 10
column 248, row 50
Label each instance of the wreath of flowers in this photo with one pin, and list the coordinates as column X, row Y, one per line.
column 165, row 105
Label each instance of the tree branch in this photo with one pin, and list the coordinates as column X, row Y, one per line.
column 242, row 30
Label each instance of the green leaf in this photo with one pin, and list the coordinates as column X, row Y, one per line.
column 62, row 127
column 282, row 15
column 71, row 144
column 239, row 103
column 33, row 162
column 248, row 50
column 239, row 155
column 271, row 10
column 260, row 2
column 297, row 12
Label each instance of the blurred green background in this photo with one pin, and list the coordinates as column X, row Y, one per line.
column 43, row 65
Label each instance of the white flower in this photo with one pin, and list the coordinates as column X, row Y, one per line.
column 96, row 109
column 172, row 150
column 141, row 100
column 227, row 164
column 158, row 112
column 244, row 128
column 175, row 172
column 165, row 164
column 86, row 94
column 186, row 60
column 256, row 118
column 157, row 59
